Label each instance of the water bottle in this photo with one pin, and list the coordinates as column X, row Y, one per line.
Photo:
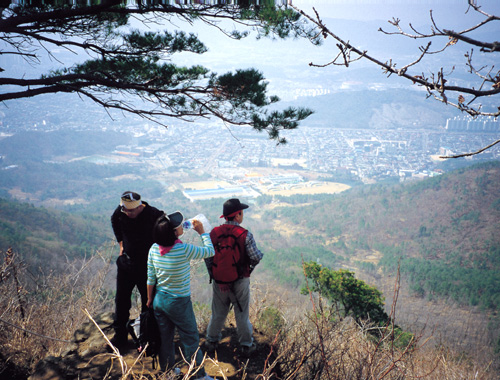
column 201, row 218
column 187, row 224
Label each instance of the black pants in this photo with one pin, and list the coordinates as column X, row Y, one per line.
column 129, row 275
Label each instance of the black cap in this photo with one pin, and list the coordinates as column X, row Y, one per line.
column 176, row 219
column 232, row 206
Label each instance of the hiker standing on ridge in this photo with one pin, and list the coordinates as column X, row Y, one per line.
column 132, row 222
column 169, row 288
column 236, row 255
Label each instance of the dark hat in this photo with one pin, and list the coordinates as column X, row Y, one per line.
column 175, row 219
column 164, row 228
column 130, row 200
column 232, row 206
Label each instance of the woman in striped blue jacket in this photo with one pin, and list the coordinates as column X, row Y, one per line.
column 169, row 287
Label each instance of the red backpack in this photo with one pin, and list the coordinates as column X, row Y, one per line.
column 230, row 262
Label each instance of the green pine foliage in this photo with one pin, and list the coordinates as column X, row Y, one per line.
column 352, row 296
column 133, row 70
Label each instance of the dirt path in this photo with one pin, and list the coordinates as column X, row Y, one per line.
column 225, row 362
column 228, row 360
column 88, row 357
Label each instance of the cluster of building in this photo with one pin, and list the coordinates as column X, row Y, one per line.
column 232, row 153
column 471, row 124
column 247, row 184
column 368, row 155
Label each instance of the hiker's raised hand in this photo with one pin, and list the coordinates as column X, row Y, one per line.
column 198, row 226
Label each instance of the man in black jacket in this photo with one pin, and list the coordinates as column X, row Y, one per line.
column 132, row 223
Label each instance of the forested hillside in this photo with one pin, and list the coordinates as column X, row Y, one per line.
column 47, row 239
column 444, row 230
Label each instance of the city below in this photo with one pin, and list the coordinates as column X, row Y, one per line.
column 238, row 161
column 243, row 162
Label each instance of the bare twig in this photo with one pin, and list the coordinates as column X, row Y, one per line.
column 473, row 153
column 117, row 354
column 33, row 332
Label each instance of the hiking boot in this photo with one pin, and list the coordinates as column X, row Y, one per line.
column 120, row 342
column 210, row 346
column 248, row 350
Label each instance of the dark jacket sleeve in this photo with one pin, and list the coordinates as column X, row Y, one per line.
column 137, row 233
column 156, row 213
column 116, row 225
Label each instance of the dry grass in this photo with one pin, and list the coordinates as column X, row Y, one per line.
column 317, row 348
column 39, row 315
column 317, row 344
column 305, row 340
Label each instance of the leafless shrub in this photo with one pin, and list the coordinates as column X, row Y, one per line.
column 40, row 314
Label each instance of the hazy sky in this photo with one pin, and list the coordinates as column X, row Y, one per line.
column 415, row 11
column 292, row 57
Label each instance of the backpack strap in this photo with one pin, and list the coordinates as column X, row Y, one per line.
column 156, row 361
column 238, row 232
column 227, row 229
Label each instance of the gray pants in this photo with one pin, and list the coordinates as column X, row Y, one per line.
column 221, row 301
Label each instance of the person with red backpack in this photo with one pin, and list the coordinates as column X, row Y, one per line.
column 236, row 255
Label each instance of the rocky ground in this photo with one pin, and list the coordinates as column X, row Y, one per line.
column 88, row 358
